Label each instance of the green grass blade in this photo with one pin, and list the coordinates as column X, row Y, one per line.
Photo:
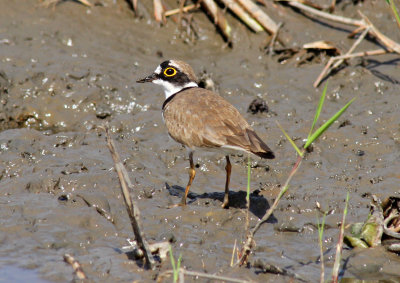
column 248, row 179
column 396, row 14
column 283, row 191
column 339, row 246
column 347, row 204
column 319, row 109
column 321, row 227
column 290, row 140
column 171, row 256
column 327, row 124
column 178, row 265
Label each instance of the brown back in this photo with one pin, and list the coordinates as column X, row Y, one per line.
column 197, row 117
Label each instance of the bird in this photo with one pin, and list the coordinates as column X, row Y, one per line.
column 201, row 119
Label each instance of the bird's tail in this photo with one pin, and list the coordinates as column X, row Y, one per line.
column 258, row 147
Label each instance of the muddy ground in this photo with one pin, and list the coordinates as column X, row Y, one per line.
column 67, row 69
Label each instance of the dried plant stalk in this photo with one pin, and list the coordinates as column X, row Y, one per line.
column 249, row 243
column 158, row 11
column 261, row 17
column 86, row 3
column 362, row 25
column 218, row 17
column 76, row 266
column 130, row 204
column 243, row 15
column 389, row 43
column 324, row 15
column 184, row 10
column 328, row 67
column 134, row 5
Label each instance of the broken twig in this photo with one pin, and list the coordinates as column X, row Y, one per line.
column 326, row 71
column 158, row 11
column 243, row 15
column 362, row 25
column 218, row 18
column 131, row 207
column 184, row 9
column 259, row 15
column 270, row 46
column 321, row 14
column 76, row 266
column 246, row 249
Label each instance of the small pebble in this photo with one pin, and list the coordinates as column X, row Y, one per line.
column 360, row 152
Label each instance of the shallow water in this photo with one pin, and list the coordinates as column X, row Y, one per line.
column 16, row 274
column 68, row 69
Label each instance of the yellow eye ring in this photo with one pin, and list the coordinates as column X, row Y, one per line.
column 169, row 72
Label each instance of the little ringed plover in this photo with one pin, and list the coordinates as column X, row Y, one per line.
column 201, row 119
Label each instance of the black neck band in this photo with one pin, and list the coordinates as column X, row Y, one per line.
column 173, row 95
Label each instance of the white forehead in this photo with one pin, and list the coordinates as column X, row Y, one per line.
column 171, row 63
column 158, row 70
column 174, row 64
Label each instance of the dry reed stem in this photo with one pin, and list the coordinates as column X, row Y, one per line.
column 233, row 253
column 363, row 24
column 355, row 32
column 185, row 9
column 86, row 3
column 332, row 6
column 243, row 15
column 335, row 18
column 131, row 207
column 134, row 5
column 386, row 41
column 265, row 21
column 218, row 18
column 327, row 70
column 271, row 44
column 183, row 272
column 246, row 249
column 349, row 56
column 158, row 11
column 76, row 266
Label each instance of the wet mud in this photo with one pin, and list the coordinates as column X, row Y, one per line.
column 66, row 70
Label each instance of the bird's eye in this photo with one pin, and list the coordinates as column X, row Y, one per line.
column 169, row 72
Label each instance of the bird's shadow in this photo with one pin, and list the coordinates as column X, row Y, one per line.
column 258, row 203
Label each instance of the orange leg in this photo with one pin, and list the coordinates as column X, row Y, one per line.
column 192, row 173
column 228, row 169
